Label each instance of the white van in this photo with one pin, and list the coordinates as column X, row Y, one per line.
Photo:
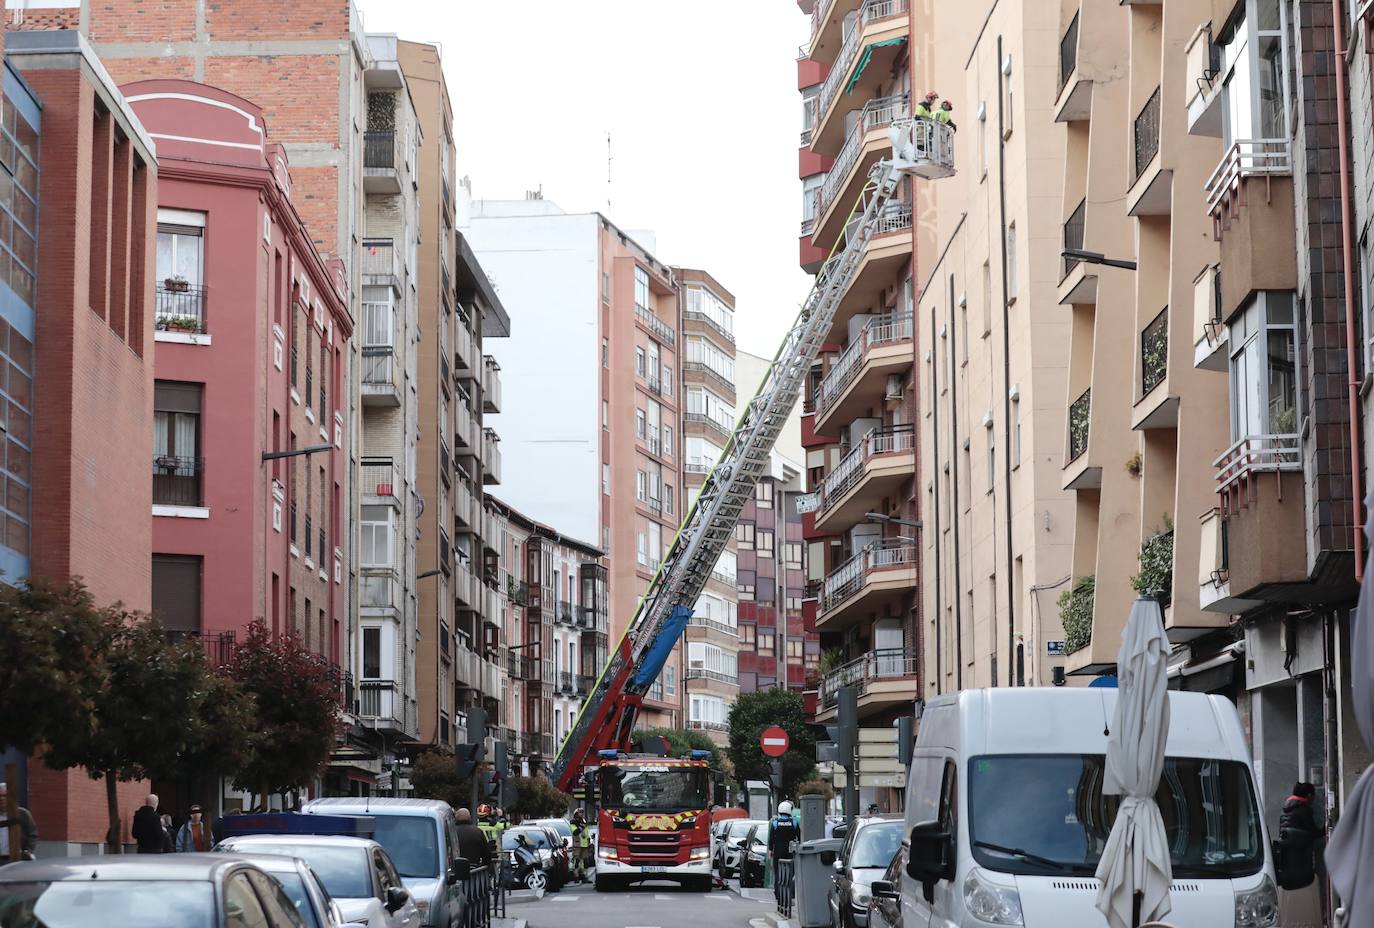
column 1006, row 820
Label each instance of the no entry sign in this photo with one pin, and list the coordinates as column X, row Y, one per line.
column 774, row 741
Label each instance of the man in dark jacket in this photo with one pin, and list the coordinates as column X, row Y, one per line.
column 147, row 828
column 782, row 835
column 1299, row 835
column 472, row 841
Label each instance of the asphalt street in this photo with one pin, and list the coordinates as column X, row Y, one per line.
column 649, row 905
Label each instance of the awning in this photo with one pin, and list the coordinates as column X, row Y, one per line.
column 864, row 60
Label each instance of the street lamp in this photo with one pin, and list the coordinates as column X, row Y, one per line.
column 1096, row 257
column 428, row 573
column 295, row 452
column 892, row 520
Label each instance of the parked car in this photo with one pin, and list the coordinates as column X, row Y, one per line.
column 865, row 854
column 357, row 872
column 561, row 826
column 549, row 846
column 312, row 901
column 162, row 891
column 885, row 911
column 730, row 847
column 421, row 837
column 753, row 864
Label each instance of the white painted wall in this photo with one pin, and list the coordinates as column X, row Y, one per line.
column 787, row 450
column 544, row 265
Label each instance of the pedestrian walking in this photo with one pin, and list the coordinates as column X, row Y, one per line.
column 28, row 829
column 147, row 827
column 195, row 834
column 582, row 846
column 169, row 833
column 1299, row 835
column 782, row 836
column 472, row 840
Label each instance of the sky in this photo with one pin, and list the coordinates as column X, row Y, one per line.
column 700, row 100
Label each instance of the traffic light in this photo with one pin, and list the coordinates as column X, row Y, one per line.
column 846, row 724
column 467, row 757
column 500, row 760
column 906, row 739
column 491, row 783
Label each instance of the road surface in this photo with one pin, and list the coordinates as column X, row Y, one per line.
column 650, row 905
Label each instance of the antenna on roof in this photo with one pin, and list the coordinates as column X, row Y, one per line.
column 609, row 159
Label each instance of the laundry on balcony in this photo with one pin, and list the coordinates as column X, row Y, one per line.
column 865, row 57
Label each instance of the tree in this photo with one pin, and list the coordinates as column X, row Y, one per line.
column 750, row 715
column 299, row 710
column 536, row 797
column 435, row 776
column 682, row 742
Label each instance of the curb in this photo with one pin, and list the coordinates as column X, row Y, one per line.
column 778, row 921
column 508, row 923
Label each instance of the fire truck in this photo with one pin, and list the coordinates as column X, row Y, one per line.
column 653, row 818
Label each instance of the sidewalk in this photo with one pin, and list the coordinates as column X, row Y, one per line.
column 508, row 923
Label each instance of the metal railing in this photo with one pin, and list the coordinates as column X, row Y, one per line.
column 698, row 466
column 218, row 647
column 379, row 150
column 379, row 259
column 583, row 683
column 379, row 364
column 877, row 665
column 851, row 468
column 702, row 621
column 1073, row 236
column 722, row 428
column 849, row 50
column 691, row 315
column 565, row 681
column 701, row 673
column 567, row 614
column 655, row 324
column 701, row 725
column 877, row 114
column 180, row 308
column 1079, row 413
column 1146, row 134
column 896, row 218
column 784, row 884
column 807, row 225
column 483, row 895
column 377, row 699
column 379, row 477
column 177, row 480
column 847, row 580
column 1246, row 158
column 1154, row 352
column 713, row 375
column 1068, row 53
column 881, row 330
column 1257, row 454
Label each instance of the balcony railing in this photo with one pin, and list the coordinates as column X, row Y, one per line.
column 849, row 578
column 565, row 681
column 863, row 672
column 691, row 315
column 1073, row 236
column 655, row 324
column 1246, row 158
column 701, row 418
column 701, row 673
column 378, row 588
column 1079, row 414
column 180, row 308
column 1256, row 454
column 1154, row 352
column 872, row 11
column 1068, row 52
column 877, row 114
column 881, row 330
column 702, row 621
column 377, row 699
column 700, row 725
column 379, row 260
column 698, row 466
column 378, row 364
column 567, row 612
column 1146, row 134
column 713, row 375
column 177, row 480
column 217, row 646
column 895, row 218
column 807, row 225
column 851, row 468
column 379, row 150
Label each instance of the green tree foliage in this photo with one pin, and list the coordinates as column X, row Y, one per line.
column 816, row 787
column 1076, row 612
column 750, row 715
column 682, row 742
column 536, row 797
column 435, row 776
column 299, row 704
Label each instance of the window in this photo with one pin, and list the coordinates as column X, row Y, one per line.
column 667, row 382
column 605, row 285
column 606, row 479
column 703, row 404
column 766, row 643
column 992, row 461
column 641, row 483
column 670, row 681
column 639, row 361
column 176, row 592
column 987, row 299
column 702, row 302
column 794, row 555
column 668, row 498
column 963, row 329
column 1008, row 98
column 1011, row 264
column 667, row 441
column 375, row 541
column 748, row 635
column 705, row 354
column 180, row 271
column 1264, row 383
column 241, row 906
column 20, row 143
column 764, row 543
column 605, row 353
column 640, row 429
column 176, row 443
column 642, row 298
column 983, row 138
column 763, row 494
column 744, row 535
column 1016, row 433
column 1255, row 92
column 707, row 711
column 702, row 656
column 746, row 591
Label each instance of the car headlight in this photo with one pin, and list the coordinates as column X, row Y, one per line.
column 990, row 903
column 699, row 853
column 861, row 895
column 609, row 853
column 1258, row 907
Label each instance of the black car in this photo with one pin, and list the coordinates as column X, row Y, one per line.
column 753, row 861
column 886, row 911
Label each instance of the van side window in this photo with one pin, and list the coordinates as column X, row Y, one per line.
column 927, row 780
column 949, row 798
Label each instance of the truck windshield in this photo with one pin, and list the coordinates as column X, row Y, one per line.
column 663, row 787
column 1044, row 813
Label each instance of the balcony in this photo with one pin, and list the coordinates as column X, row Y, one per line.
column 567, row 613
column 1241, row 466
column 1155, row 408
column 381, row 385
column 381, row 705
column 1152, row 186
column 218, row 647
column 876, row 469
column 710, row 376
column 582, row 684
column 567, row 684
column 867, row 142
column 875, row 39
column 887, row 254
column 381, row 264
column 1210, row 336
column 1248, row 559
column 1246, row 160
column 379, row 163
column 1200, row 83
column 466, row 438
column 467, row 356
column 1075, row 100
column 700, row 322
column 885, row 677
column 857, row 377
column 491, row 385
column 880, row 575
column 179, row 312
column 1077, row 281
column 711, row 676
column 711, row 626
column 177, row 481
column 491, row 457
column 379, row 591
column 654, row 325
column 467, row 513
column 707, row 423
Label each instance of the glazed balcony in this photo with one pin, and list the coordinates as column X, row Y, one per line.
column 866, row 143
column 380, row 162
column 858, row 376
column 381, row 264
column 381, row 705
column 491, row 385
column 379, row 591
column 879, row 576
column 887, row 254
column 380, row 482
column 874, row 470
column 885, row 678
column 870, row 47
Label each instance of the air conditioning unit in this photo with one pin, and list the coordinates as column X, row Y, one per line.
column 894, row 387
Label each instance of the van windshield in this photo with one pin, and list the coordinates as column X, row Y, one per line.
column 1045, row 813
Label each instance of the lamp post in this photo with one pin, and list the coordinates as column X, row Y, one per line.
column 1096, row 257
column 893, row 520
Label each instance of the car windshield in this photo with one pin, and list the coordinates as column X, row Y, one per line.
column 536, row 837
column 665, row 787
column 739, row 828
column 296, row 892
column 874, row 845
column 1047, row 814
column 344, row 871
column 557, row 824
column 115, row 904
column 412, row 841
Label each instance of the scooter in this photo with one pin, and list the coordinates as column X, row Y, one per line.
column 524, row 869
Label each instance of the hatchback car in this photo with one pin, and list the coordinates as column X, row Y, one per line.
column 753, row 863
column 730, row 845
column 162, row 891
column 357, row 872
column 867, row 851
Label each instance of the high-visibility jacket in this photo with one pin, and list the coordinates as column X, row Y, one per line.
column 922, row 111
column 942, row 116
column 582, row 835
column 492, row 830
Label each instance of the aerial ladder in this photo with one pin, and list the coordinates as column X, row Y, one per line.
column 921, row 148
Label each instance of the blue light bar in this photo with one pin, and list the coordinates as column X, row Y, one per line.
column 611, row 754
column 701, row 755
column 294, row 823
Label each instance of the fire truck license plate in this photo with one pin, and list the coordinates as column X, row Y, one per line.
column 654, row 869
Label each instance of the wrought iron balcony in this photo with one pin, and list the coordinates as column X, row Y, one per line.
column 177, row 480
column 379, row 150
column 1079, row 413
column 873, row 667
column 218, row 647
column 180, row 307
column 1073, row 236
column 654, row 324
column 1154, row 352
column 1146, row 134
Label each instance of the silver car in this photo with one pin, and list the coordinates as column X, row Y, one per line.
column 313, row 902
column 867, row 851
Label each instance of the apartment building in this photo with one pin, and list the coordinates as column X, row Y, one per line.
column 77, row 349
column 859, row 419
column 458, row 590
column 600, row 357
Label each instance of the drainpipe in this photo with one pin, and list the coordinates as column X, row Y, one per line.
column 1348, row 274
column 1006, row 372
column 935, row 503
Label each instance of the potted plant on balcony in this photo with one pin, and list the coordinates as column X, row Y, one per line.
column 1076, row 612
column 180, row 323
column 176, row 284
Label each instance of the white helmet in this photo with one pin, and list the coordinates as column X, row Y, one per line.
column 785, row 808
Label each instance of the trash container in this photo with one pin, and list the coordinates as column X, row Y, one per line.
column 815, row 870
